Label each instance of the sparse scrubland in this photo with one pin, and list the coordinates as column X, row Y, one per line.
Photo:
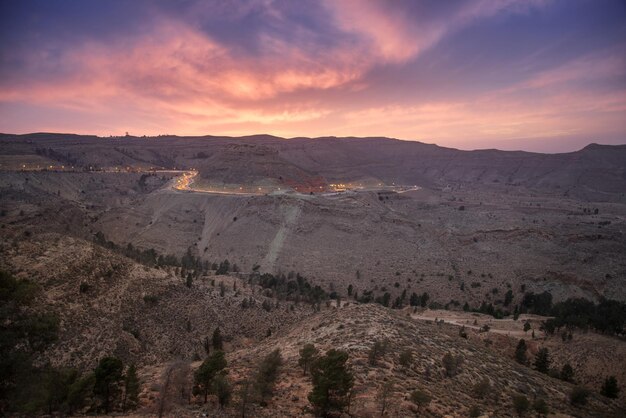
column 497, row 289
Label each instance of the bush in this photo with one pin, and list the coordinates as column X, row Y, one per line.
column 520, row 352
column 420, row 398
column 541, row 406
column 520, row 404
column 474, row 411
column 406, row 358
column 377, row 351
column 610, row 388
column 452, row 364
column 578, row 396
column 481, row 389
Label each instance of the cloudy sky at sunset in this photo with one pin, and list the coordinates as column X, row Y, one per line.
column 544, row 75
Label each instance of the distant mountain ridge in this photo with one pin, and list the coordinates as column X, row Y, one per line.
column 596, row 172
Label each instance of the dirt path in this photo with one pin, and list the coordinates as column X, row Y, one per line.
column 506, row 326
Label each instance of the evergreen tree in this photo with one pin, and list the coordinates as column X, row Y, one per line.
column 203, row 377
column 508, row 297
column 217, row 340
column 308, row 355
column 332, row 382
column 267, row 374
column 221, row 389
column 131, row 388
column 79, row 391
column 542, row 360
column 520, row 352
column 108, row 376
column 567, row 373
column 610, row 388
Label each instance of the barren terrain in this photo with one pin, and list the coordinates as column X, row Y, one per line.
column 407, row 218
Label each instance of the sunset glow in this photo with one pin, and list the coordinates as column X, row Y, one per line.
column 543, row 75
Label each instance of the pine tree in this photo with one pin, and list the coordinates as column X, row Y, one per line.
column 542, row 360
column 221, row 389
column 332, row 383
column 520, row 352
column 567, row 373
column 131, row 388
column 308, row 355
column 268, row 374
column 108, row 375
column 203, row 377
column 217, row 340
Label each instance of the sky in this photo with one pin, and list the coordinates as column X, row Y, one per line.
column 538, row 75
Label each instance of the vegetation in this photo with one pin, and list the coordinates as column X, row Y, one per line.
column 268, row 374
column 452, row 364
column 481, row 389
column 567, row 373
column 377, row 351
column 542, row 361
column 520, row 404
column 131, row 389
column 293, row 287
column 217, row 341
column 108, row 376
column 308, row 355
column 520, row 352
column 406, row 358
column 541, row 407
column 578, row 396
column 332, row 383
column 420, row 398
column 207, row 372
column 610, row 388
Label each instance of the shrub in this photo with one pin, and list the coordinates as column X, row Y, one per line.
column 378, row 350
column 578, row 396
column 406, row 358
column 520, row 404
column 541, row 406
column 452, row 364
column 481, row 389
column 420, row 398
column 610, row 388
